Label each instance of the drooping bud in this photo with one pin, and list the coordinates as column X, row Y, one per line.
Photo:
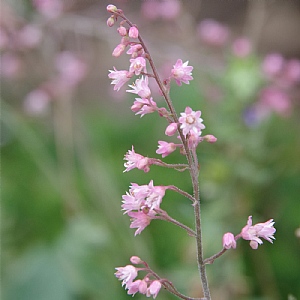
column 118, row 50
column 110, row 21
column 111, row 8
column 229, row 241
column 210, row 138
column 122, row 31
column 135, row 260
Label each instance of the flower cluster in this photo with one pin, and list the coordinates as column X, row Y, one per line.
column 142, row 203
column 144, row 286
column 251, row 233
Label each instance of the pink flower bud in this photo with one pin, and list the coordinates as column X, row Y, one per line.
column 118, row 50
column 171, row 129
column 111, row 8
column 210, row 138
column 122, row 31
column 135, row 260
column 133, row 32
column 110, row 21
column 229, row 241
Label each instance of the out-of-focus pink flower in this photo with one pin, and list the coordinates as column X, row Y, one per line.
column 242, row 47
column 260, row 230
column 165, row 148
column 153, row 289
column 36, row 102
column 229, row 241
column 49, row 8
column 137, row 65
column 135, row 160
column 10, row 65
column 292, row 71
column 71, row 69
column 29, row 36
column 166, row 9
column 119, row 78
column 212, row 32
column 141, row 87
column 191, row 122
column 171, row 129
column 276, row 100
column 273, row 64
column 181, row 72
column 133, row 32
column 127, row 274
column 210, row 138
column 144, row 106
column 4, row 39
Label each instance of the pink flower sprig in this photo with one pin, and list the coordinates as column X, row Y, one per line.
column 252, row 233
column 138, row 161
column 149, row 285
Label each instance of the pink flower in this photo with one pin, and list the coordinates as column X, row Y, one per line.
column 135, row 160
column 259, row 230
column 122, row 31
column 143, row 106
column 272, row 64
column 182, row 72
column 191, row 122
column 242, row 47
column 135, row 50
column 135, row 260
column 153, row 289
column 229, row 241
column 292, row 71
column 145, row 198
column 210, row 138
column 212, row 32
column 49, row 8
column 134, row 287
column 137, row 65
column 37, row 102
column 165, row 148
column 119, row 78
column 171, row 129
column 127, row 274
column 140, row 87
column 140, row 220
column 133, row 32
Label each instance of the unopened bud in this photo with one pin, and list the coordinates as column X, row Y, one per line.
column 133, row 32
column 118, row 50
column 122, row 31
column 135, row 260
column 210, row 138
column 171, row 129
column 111, row 8
column 110, row 21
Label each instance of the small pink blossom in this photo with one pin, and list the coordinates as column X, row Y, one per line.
column 140, row 220
column 181, row 72
column 110, row 21
column 137, row 65
column 144, row 106
column 153, row 289
column 165, row 148
column 171, row 129
column 134, row 287
column 135, row 50
column 119, row 78
column 133, row 32
column 135, row 260
column 260, row 230
column 140, row 87
column 191, row 122
column 135, row 160
column 127, row 274
column 229, row 241
column 49, row 8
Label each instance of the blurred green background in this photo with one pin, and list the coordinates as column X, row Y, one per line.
column 62, row 148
